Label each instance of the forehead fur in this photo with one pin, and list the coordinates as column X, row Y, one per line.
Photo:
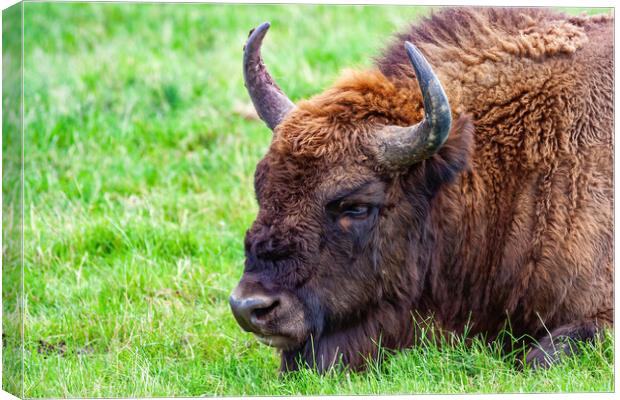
column 341, row 121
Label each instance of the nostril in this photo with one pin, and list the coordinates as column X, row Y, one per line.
column 251, row 312
column 261, row 313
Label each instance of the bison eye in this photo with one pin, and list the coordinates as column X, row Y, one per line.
column 358, row 211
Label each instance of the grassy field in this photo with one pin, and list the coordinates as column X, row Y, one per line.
column 139, row 162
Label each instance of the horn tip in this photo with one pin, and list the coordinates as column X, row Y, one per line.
column 412, row 50
column 259, row 30
column 263, row 27
column 256, row 36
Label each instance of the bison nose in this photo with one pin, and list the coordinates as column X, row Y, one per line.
column 252, row 312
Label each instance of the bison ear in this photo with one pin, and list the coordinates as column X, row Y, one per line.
column 452, row 158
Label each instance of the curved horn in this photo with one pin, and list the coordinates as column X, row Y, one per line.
column 270, row 103
column 402, row 146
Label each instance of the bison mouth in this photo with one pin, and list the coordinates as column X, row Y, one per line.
column 278, row 341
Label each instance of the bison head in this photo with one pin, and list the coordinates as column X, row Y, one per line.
column 335, row 258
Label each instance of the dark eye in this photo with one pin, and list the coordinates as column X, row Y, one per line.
column 358, row 211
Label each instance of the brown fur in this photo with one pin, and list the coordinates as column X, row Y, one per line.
column 510, row 220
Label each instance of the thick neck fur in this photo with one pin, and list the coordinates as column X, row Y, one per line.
column 521, row 74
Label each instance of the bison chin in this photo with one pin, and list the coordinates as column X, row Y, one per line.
column 276, row 317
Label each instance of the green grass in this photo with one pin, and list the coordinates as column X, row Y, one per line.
column 138, row 191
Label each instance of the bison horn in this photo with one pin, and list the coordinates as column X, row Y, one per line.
column 403, row 146
column 270, row 103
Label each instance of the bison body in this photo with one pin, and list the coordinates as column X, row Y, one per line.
column 505, row 222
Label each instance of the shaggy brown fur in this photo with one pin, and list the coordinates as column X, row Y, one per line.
column 510, row 220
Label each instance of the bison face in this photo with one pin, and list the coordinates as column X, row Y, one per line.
column 336, row 230
column 312, row 254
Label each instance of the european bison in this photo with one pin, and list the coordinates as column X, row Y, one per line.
column 477, row 193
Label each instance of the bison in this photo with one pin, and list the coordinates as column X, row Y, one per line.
column 465, row 180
